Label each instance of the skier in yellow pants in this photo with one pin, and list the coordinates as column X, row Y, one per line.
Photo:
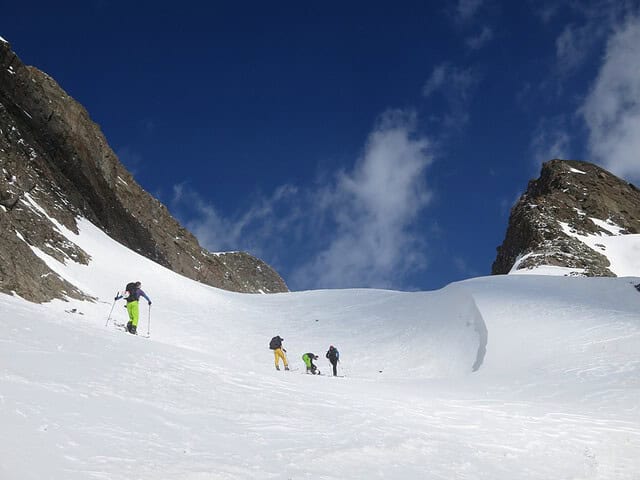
column 279, row 352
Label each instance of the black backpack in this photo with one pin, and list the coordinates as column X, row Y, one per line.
column 333, row 354
column 131, row 291
column 275, row 343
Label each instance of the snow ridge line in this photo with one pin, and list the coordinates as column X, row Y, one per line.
column 480, row 327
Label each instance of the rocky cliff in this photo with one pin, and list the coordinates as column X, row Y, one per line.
column 55, row 166
column 570, row 199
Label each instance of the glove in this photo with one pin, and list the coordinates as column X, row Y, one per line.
column 149, row 303
column 115, row 298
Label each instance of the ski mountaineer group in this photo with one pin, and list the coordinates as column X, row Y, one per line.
column 133, row 292
column 279, row 354
column 132, row 295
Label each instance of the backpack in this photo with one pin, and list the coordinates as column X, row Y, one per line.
column 130, row 291
column 333, row 354
column 275, row 343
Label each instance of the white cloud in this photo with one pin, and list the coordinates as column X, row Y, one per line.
column 356, row 229
column 574, row 45
column 210, row 228
column 612, row 108
column 546, row 11
column 551, row 140
column 594, row 21
column 260, row 229
column 456, row 86
column 453, row 82
column 481, row 39
column 436, row 81
column 467, row 9
column 374, row 208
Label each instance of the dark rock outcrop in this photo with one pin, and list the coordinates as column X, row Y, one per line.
column 574, row 193
column 55, row 166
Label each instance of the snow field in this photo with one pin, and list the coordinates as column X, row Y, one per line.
column 556, row 395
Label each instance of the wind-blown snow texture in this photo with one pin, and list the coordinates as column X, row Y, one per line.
column 555, row 394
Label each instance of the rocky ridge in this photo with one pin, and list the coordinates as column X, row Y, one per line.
column 572, row 193
column 56, row 166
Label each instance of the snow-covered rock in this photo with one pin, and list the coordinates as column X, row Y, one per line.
column 570, row 221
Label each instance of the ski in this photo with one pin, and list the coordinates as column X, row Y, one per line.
column 123, row 327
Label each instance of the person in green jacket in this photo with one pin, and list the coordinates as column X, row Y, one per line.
column 308, row 359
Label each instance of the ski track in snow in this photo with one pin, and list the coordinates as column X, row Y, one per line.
column 555, row 395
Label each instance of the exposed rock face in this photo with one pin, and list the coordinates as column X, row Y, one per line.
column 56, row 165
column 573, row 193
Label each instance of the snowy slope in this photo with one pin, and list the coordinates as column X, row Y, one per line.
column 621, row 250
column 555, row 392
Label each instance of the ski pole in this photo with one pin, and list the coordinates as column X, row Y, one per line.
column 111, row 311
column 149, row 322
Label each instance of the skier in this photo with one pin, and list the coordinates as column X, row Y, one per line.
column 334, row 357
column 132, row 294
column 279, row 352
column 308, row 359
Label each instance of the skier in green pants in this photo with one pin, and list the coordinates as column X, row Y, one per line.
column 308, row 359
column 132, row 293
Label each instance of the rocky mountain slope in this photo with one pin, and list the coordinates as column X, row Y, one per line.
column 571, row 200
column 56, row 165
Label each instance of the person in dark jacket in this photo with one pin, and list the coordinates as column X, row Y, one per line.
column 308, row 359
column 334, row 357
column 132, row 294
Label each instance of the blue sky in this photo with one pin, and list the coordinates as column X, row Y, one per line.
column 348, row 144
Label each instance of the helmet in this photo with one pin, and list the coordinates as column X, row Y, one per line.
column 138, row 284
